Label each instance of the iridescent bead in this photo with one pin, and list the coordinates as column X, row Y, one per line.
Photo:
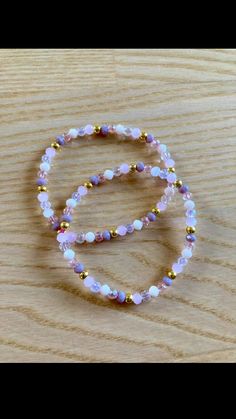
column 138, row 224
column 135, row 132
column 69, row 254
column 80, row 238
column 104, row 130
column 145, row 296
column 121, row 297
column 140, row 166
column 42, row 174
column 101, row 178
column 162, row 148
column 130, row 228
column 48, row 212
column 43, row 196
column 94, row 180
column 183, row 189
column 62, row 237
column 170, row 163
column 64, row 246
column 108, row 174
column 117, row 171
column 186, row 252
column 182, row 261
column 73, row 132
column 46, row 158
column 171, row 178
column 121, row 230
column 154, row 291
column 76, row 196
column 88, row 129
column 189, row 205
column 169, row 191
column 71, row 203
column 106, row 235
column 167, row 281
column 137, row 298
column 165, row 199
column 124, row 168
column 45, row 167
column 55, row 225
column 161, row 206
column 164, row 173
column 81, row 132
column 105, row 289
column 79, row 267
column 119, row 129
column 113, row 295
column 50, row 152
column 68, row 211
column 89, row 281
column 128, row 132
column 145, row 220
column 71, row 236
column 155, row 171
column 82, row 190
column 177, row 268
column 191, row 238
column 98, row 237
column 90, row 237
column 187, row 196
column 151, row 216
column 191, row 221
column 72, row 263
column 147, row 168
column 60, row 140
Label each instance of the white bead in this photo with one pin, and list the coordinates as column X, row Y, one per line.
column 186, row 253
column 45, row 167
column 108, row 174
column 71, row 203
column 189, row 204
column 136, row 132
column 69, row 254
column 48, row 212
column 154, row 291
column 120, row 129
column 105, row 289
column 155, row 171
column 90, row 237
column 73, row 133
column 138, row 225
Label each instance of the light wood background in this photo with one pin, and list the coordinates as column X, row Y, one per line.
column 188, row 99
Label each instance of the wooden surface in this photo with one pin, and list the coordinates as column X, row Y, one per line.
column 188, row 99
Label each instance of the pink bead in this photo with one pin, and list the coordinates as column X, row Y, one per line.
column 136, row 132
column 137, row 298
column 82, row 190
column 121, row 230
column 88, row 130
column 50, row 152
column 43, row 196
column 67, row 138
column 161, row 206
column 124, row 168
column 42, row 174
column 101, row 178
column 147, row 168
column 89, row 281
column 169, row 163
column 145, row 221
column 171, row 177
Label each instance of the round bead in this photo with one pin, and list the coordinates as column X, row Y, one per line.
column 56, row 145
column 183, row 189
column 132, row 167
column 82, row 190
column 43, row 196
column 62, row 237
column 108, row 174
column 189, row 204
column 50, row 152
column 60, row 141
column 90, row 237
column 88, row 129
column 45, row 166
column 177, row 268
column 190, row 229
column 83, row 275
column 121, row 297
column 137, row 224
column 136, row 132
column 105, row 289
column 48, row 212
column 69, row 254
column 167, row 281
column 150, row 138
column 124, row 168
column 88, row 185
column 98, row 237
column 97, row 129
column 171, row 274
column 95, row 287
column 64, row 225
column 162, row 206
column 89, row 281
column 128, row 298
column 80, row 238
column 42, row 188
column 94, row 180
column 71, row 236
column 171, row 177
column 156, row 210
column 140, row 166
column 130, row 228
column 155, row 171
column 113, row 295
column 154, row 291
column 120, row 129
column 121, row 230
column 169, row 163
column 106, row 235
column 71, row 203
column 178, row 183
column 151, row 216
column 113, row 233
column 137, row 298
column 79, row 267
column 104, row 130
column 186, row 252
column 73, row 133
column 191, row 238
column 191, row 222
column 41, row 181
column 67, row 218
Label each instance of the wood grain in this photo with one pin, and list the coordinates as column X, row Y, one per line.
column 188, row 99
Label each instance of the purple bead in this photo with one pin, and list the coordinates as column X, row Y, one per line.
column 130, row 228
column 79, row 267
column 41, row 181
column 67, row 218
column 151, row 216
column 94, row 180
column 137, row 298
column 121, row 230
column 140, row 166
column 60, row 139
column 168, row 281
column 104, row 130
column 56, row 226
column 191, row 238
column 98, row 237
column 183, row 189
column 106, row 235
column 113, row 295
column 121, row 297
column 150, row 138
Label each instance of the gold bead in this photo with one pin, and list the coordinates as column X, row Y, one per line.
column 42, row 188
column 178, row 183
column 171, row 274
column 83, row 274
column 171, row 169
column 64, row 225
column 143, row 136
column 132, row 167
column 156, row 211
column 190, row 229
column 113, row 232
column 128, row 298
column 56, row 146
column 88, row 185
column 96, row 129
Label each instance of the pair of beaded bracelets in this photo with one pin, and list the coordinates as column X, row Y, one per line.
column 61, row 224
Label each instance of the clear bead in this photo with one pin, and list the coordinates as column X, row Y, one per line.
column 76, row 196
column 147, row 168
column 145, row 221
column 163, row 173
column 72, row 263
column 128, row 132
column 80, row 238
column 64, row 246
column 81, row 132
column 42, row 174
column 182, row 261
column 165, row 199
column 145, row 296
column 68, row 211
column 116, row 171
column 187, row 196
column 46, row 158
column 166, row 155
column 45, row 204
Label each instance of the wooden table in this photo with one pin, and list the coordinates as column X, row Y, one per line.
column 188, row 99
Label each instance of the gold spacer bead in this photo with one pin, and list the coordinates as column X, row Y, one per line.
column 171, row 274
column 88, row 185
column 178, row 183
column 156, row 211
column 96, row 129
column 171, row 169
column 132, row 167
column 83, row 274
column 42, row 188
column 190, row 229
column 143, row 136
column 56, row 146
column 64, row 224
column 113, row 233
column 128, row 298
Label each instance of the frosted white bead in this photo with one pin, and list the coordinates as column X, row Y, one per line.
column 189, row 204
column 105, row 289
column 45, row 167
column 71, row 203
column 186, row 253
column 120, row 129
column 90, row 237
column 48, row 212
column 153, row 291
column 137, row 224
column 73, row 133
column 69, row 254
column 155, row 171
column 108, row 174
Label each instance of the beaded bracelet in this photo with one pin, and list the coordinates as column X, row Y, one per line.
column 88, row 131
column 66, row 239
